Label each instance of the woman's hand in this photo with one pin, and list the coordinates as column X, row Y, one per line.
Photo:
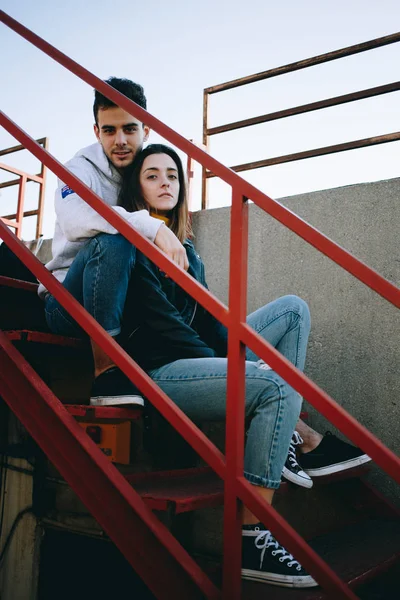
column 167, row 241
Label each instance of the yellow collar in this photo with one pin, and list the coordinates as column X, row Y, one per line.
column 155, row 214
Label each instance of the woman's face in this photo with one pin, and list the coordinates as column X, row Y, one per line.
column 159, row 182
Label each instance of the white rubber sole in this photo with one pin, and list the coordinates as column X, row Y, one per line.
column 117, row 401
column 297, row 479
column 305, row 581
column 337, row 468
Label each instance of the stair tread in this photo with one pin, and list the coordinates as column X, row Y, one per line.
column 186, row 489
column 99, row 413
column 356, row 553
column 18, row 284
column 42, row 337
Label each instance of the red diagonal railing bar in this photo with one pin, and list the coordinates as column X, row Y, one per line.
column 235, row 411
column 168, row 409
column 335, row 413
column 311, row 235
column 121, row 512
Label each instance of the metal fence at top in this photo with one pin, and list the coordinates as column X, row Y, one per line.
column 297, row 110
column 14, row 220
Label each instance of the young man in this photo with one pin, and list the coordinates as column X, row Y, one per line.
column 92, row 266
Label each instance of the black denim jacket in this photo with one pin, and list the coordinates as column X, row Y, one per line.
column 166, row 324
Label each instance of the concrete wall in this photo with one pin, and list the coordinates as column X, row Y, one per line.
column 354, row 349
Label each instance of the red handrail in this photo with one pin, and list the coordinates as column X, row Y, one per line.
column 237, row 486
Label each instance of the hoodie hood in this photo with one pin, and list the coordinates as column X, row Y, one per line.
column 95, row 155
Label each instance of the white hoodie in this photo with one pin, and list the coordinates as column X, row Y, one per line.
column 76, row 221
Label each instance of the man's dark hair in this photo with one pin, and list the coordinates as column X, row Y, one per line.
column 132, row 90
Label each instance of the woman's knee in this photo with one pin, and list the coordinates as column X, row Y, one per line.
column 298, row 306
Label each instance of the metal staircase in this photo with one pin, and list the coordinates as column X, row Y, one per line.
column 124, row 509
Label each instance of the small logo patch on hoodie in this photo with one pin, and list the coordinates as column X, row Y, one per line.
column 65, row 191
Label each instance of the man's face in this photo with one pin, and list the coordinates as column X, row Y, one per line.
column 120, row 135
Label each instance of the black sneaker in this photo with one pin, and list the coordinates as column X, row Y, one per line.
column 332, row 456
column 292, row 471
column 113, row 388
column 267, row 561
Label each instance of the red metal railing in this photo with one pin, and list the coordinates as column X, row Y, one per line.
column 236, row 487
column 15, row 220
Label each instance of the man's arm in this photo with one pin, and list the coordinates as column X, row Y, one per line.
column 79, row 221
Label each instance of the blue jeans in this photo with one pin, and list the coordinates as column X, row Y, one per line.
column 98, row 278
column 198, row 387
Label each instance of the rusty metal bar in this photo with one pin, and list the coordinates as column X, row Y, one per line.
column 29, row 177
column 9, row 223
column 9, row 183
column 42, row 192
column 28, row 213
column 19, row 147
column 277, row 160
column 204, row 188
column 20, row 205
column 308, row 62
column 235, row 405
column 304, row 108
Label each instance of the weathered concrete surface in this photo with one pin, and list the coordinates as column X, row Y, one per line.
column 19, row 575
column 354, row 348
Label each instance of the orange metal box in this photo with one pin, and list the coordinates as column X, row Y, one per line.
column 112, row 438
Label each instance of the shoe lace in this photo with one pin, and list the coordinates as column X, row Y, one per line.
column 266, row 540
column 296, row 440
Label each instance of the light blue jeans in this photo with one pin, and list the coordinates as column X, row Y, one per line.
column 198, row 387
column 98, row 278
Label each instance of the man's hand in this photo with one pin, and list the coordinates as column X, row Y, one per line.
column 167, row 241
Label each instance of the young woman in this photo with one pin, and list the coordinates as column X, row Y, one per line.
column 183, row 348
